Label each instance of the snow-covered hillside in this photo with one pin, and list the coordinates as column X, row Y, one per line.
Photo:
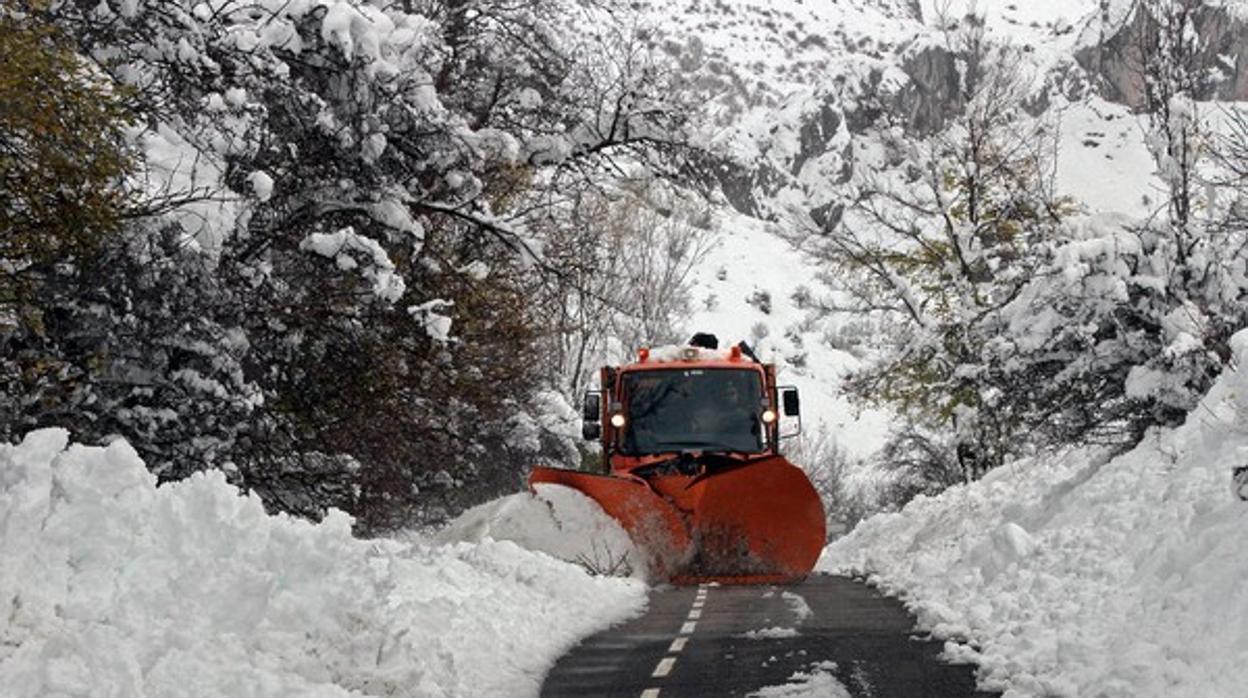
column 1084, row 576
column 113, row 586
column 812, row 93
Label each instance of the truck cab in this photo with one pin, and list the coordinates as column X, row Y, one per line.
column 689, row 400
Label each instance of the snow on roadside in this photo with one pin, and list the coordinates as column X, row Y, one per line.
column 110, row 585
column 558, row 521
column 1085, row 575
column 818, row 682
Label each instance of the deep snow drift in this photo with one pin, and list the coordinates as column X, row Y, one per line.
column 1083, row 575
column 110, row 585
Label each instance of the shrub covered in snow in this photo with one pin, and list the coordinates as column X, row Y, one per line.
column 333, row 254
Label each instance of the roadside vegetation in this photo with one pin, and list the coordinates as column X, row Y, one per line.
column 350, row 253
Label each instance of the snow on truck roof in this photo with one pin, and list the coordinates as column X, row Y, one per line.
column 684, row 354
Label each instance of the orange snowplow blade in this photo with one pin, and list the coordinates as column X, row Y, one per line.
column 653, row 524
column 760, row 522
column 751, row 522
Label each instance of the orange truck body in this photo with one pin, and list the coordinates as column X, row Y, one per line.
column 743, row 515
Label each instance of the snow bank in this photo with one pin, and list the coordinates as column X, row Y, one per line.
column 1084, row 575
column 558, row 521
column 110, row 585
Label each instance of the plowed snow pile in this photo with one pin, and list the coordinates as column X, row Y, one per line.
column 110, row 585
column 558, row 521
column 1085, row 576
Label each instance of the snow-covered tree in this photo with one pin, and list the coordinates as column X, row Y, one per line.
column 329, row 290
column 627, row 285
column 1018, row 322
column 941, row 249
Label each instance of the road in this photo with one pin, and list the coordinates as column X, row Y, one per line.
column 734, row 641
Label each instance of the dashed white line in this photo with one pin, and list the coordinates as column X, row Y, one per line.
column 650, row 693
column 665, row 665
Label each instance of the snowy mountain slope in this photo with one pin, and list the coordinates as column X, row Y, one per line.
column 1102, row 161
column 803, row 87
column 113, row 586
column 1082, row 576
column 772, row 49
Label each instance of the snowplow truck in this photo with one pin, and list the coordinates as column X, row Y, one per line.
column 692, row 467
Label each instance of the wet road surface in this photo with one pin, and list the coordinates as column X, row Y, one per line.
column 735, row 641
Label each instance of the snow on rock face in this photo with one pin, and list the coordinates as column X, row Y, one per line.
column 111, row 585
column 1083, row 575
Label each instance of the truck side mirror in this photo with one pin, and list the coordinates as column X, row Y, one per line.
column 591, row 416
column 792, row 404
column 591, row 408
column 591, row 431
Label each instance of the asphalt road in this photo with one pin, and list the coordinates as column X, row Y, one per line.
column 734, row 641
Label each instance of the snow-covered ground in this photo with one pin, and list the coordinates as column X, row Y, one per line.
column 1086, row 576
column 112, row 586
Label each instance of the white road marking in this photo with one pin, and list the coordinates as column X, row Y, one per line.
column 687, row 628
column 664, row 668
column 678, row 645
column 699, row 603
column 695, row 613
column 650, row 693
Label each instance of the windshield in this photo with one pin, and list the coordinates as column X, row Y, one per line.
column 693, row 410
